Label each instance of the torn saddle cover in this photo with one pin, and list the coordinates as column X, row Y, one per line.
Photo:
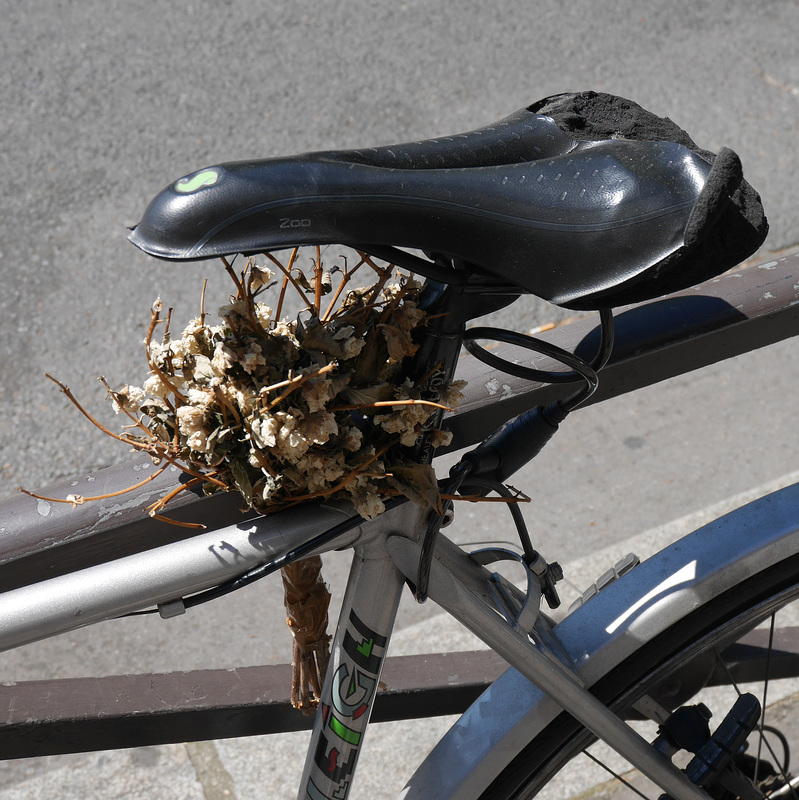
column 726, row 225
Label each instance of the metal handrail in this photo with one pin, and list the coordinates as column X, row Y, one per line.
column 751, row 307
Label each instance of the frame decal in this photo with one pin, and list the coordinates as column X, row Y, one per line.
column 344, row 719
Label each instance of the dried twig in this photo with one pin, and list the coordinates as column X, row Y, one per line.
column 384, row 403
column 347, row 276
column 68, row 392
column 78, row 500
column 287, row 273
column 294, row 253
column 154, row 368
column 202, row 302
column 290, row 384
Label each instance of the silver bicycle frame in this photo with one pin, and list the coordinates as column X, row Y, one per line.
column 462, row 587
column 593, row 639
column 161, row 576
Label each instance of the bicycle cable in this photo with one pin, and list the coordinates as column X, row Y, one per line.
column 262, row 570
column 521, row 439
column 580, row 368
column 431, row 537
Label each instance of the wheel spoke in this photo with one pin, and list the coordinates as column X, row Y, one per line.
column 788, row 786
column 765, row 696
column 615, row 774
column 671, row 669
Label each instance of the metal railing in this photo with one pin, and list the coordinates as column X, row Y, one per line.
column 751, row 307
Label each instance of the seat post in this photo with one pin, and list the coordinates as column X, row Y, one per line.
column 439, row 347
column 448, row 307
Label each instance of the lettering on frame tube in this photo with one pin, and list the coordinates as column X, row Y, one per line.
column 354, row 686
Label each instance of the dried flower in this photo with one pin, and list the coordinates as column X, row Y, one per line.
column 128, row 398
column 286, row 411
column 260, row 276
column 292, row 410
column 155, row 386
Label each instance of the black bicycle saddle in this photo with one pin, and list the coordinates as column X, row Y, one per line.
column 586, row 200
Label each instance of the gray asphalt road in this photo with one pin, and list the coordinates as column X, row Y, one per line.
column 106, row 102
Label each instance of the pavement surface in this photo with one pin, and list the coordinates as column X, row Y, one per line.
column 107, row 102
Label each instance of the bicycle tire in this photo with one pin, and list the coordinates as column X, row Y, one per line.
column 736, row 610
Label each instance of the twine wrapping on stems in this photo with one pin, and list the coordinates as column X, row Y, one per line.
column 307, row 600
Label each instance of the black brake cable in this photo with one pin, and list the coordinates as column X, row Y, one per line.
column 270, row 567
column 580, row 368
column 607, row 338
column 298, row 553
column 431, row 536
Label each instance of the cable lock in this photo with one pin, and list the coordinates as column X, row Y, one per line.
column 518, row 441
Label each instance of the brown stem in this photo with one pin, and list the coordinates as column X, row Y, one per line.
column 368, row 260
column 390, row 492
column 209, row 478
column 153, row 448
column 263, row 462
column 480, row 499
column 318, row 281
column 384, row 273
column 341, row 314
column 68, row 392
column 381, row 403
column 194, row 525
column 281, row 298
column 226, row 403
column 287, row 274
column 99, row 496
column 294, row 253
column 344, row 281
column 161, row 502
column 136, row 422
column 154, row 319
column 202, row 302
column 294, row 383
column 299, row 378
column 159, row 450
column 240, row 292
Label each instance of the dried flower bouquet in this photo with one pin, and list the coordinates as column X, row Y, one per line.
column 288, row 411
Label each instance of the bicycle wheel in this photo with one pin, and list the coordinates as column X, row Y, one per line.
column 664, row 669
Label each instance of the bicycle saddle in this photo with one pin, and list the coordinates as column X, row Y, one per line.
column 586, row 200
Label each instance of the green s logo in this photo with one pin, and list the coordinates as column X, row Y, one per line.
column 196, row 181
